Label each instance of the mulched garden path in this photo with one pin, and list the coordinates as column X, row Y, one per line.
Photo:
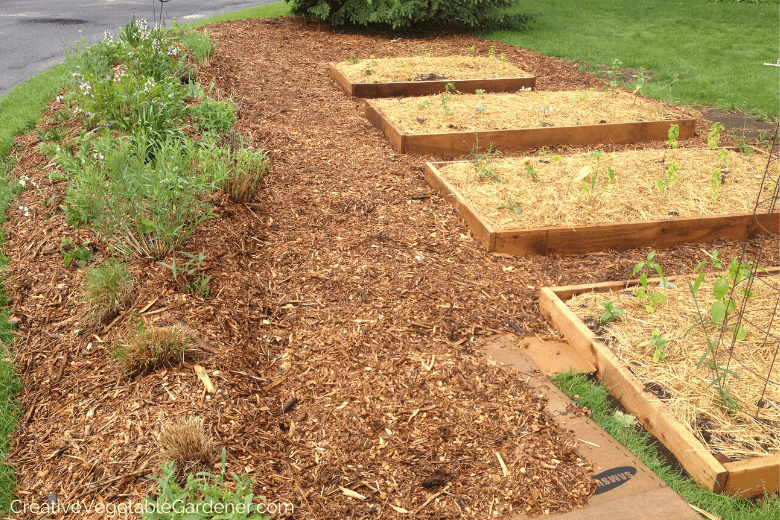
column 346, row 284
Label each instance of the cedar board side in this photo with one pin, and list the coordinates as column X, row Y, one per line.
column 378, row 118
column 481, row 229
column 749, row 478
column 457, row 143
column 753, row 476
column 659, row 233
column 564, row 240
column 341, row 79
column 426, row 88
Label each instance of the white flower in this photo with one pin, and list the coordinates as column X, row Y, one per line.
column 23, row 180
column 59, row 99
column 25, row 210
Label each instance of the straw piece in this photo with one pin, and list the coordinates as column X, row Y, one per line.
column 448, row 112
column 428, row 68
column 558, row 199
column 685, row 389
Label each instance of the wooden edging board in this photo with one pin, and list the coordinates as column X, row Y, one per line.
column 575, row 240
column 427, row 88
column 458, row 143
column 748, row 478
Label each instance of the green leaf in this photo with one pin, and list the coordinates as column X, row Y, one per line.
column 721, row 288
column 643, row 280
column 741, row 333
column 640, row 293
column 718, row 312
column 656, row 355
column 697, row 283
column 650, row 309
column 638, row 267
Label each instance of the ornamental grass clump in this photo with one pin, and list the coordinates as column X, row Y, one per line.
column 186, row 443
column 148, row 349
column 108, row 289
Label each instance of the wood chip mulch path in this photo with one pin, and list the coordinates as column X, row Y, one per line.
column 346, row 284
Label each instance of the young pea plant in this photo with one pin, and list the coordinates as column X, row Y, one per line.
column 723, row 288
column 613, row 72
column 610, row 311
column 484, row 166
column 714, row 136
column 513, row 204
column 672, row 135
column 651, row 299
column 640, row 82
column 658, row 341
column 532, row 173
column 671, row 178
column 449, row 90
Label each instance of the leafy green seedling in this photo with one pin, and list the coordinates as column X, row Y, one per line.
column 652, row 299
column 353, row 60
column 424, row 104
column 556, row 158
column 658, row 341
column 714, row 135
column 672, row 135
column 640, row 82
column 671, row 178
column 610, row 311
column 613, row 72
column 479, row 91
column 532, row 173
column 492, row 52
column 81, row 254
column 513, row 204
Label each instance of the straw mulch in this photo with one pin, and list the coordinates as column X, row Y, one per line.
column 428, row 68
column 454, row 112
column 557, row 198
column 676, row 380
column 345, row 284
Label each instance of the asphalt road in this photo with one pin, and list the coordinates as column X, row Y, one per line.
column 32, row 31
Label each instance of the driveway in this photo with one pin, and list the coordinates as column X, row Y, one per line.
column 32, row 31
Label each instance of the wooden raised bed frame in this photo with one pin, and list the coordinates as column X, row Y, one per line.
column 747, row 477
column 458, row 143
column 427, row 88
column 589, row 238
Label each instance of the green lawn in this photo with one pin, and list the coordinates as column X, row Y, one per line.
column 699, row 52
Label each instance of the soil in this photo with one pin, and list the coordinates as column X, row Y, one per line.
column 346, row 284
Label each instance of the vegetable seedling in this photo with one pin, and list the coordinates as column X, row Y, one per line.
column 658, row 341
column 610, row 311
column 672, row 135
column 652, row 299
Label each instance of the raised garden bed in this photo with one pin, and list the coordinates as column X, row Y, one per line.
column 452, row 124
column 513, row 214
column 421, row 76
column 679, row 410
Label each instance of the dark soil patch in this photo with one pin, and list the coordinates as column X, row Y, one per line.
column 345, row 284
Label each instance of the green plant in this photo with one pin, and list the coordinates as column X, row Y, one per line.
column 545, row 111
column 71, row 252
column 651, row 299
column 400, row 14
column 723, row 289
column 479, row 91
column 107, row 290
column 532, row 173
column 243, row 178
column 640, row 82
column 610, row 311
column 201, row 46
column 614, row 72
column 714, row 135
column 204, row 496
column 424, row 104
column 513, row 204
column 484, row 166
column 353, row 60
column 658, row 341
column 589, row 189
column 671, row 178
column 214, row 116
column 189, row 275
column 672, row 135
column 492, row 52
column 147, row 349
column 140, row 208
